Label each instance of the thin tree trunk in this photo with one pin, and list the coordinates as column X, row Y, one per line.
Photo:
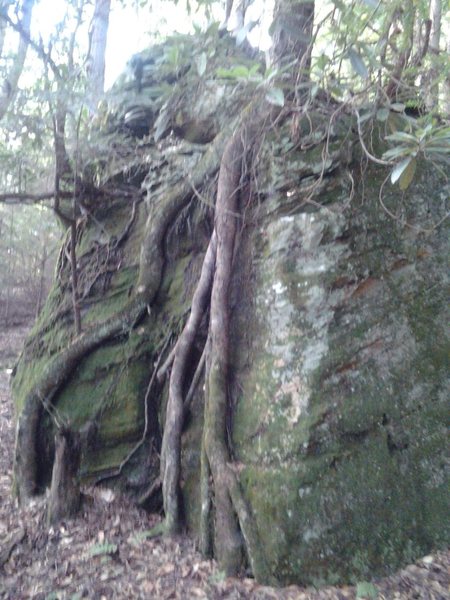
column 65, row 497
column 435, row 38
column 171, row 444
column 9, row 275
column 292, row 38
column 228, row 540
column 74, row 276
column 446, row 106
column 235, row 527
column 96, row 60
column 42, row 266
column 12, row 77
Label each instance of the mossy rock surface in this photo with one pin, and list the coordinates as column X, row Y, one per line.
column 339, row 357
column 340, row 384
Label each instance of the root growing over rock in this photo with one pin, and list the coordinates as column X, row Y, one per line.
column 233, row 520
column 227, row 525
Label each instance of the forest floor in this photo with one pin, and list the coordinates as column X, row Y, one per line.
column 104, row 554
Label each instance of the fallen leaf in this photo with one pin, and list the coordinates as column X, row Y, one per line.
column 165, row 570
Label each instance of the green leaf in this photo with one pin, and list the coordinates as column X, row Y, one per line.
column 275, row 96
column 398, row 107
column 365, row 117
column 434, row 146
column 408, row 175
column 201, row 61
column 424, row 133
column 383, row 114
column 401, row 136
column 366, row 590
column 106, row 548
column 442, row 132
column 399, row 168
column 396, row 152
column 237, row 72
column 254, row 70
column 270, row 73
column 358, row 63
column 243, row 32
column 322, row 61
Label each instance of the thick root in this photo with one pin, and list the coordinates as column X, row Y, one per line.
column 229, row 500
column 171, row 443
column 149, row 280
column 206, row 533
column 227, row 535
column 167, row 208
column 53, row 377
column 65, row 496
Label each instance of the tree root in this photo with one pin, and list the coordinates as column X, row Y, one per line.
column 229, row 499
column 171, row 443
column 234, row 521
column 65, row 496
column 53, row 377
column 234, row 530
column 168, row 207
column 62, row 366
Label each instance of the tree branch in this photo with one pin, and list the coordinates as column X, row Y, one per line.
column 26, row 198
column 15, row 71
column 36, row 47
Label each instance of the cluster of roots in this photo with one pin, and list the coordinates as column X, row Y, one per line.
column 228, row 529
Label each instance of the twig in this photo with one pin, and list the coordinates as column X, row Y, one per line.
column 128, row 226
column 370, row 156
column 36, row 47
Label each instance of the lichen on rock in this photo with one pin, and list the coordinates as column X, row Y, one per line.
column 337, row 359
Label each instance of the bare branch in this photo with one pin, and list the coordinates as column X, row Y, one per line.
column 23, row 30
column 26, row 198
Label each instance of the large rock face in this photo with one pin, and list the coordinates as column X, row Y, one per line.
column 338, row 380
column 340, row 411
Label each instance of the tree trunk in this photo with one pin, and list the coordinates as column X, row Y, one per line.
column 9, row 270
column 64, row 500
column 96, row 60
column 292, row 38
column 446, row 107
column 171, row 444
column 42, row 265
column 435, row 38
column 12, row 78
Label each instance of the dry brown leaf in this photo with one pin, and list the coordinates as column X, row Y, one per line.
column 185, row 571
column 148, row 587
column 197, row 592
column 165, row 569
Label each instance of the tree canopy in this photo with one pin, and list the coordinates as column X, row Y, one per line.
column 375, row 56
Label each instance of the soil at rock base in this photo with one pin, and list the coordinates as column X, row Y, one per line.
column 104, row 554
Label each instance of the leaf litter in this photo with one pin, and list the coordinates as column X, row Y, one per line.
column 104, row 553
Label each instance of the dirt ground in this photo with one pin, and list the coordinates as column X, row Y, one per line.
column 104, row 552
